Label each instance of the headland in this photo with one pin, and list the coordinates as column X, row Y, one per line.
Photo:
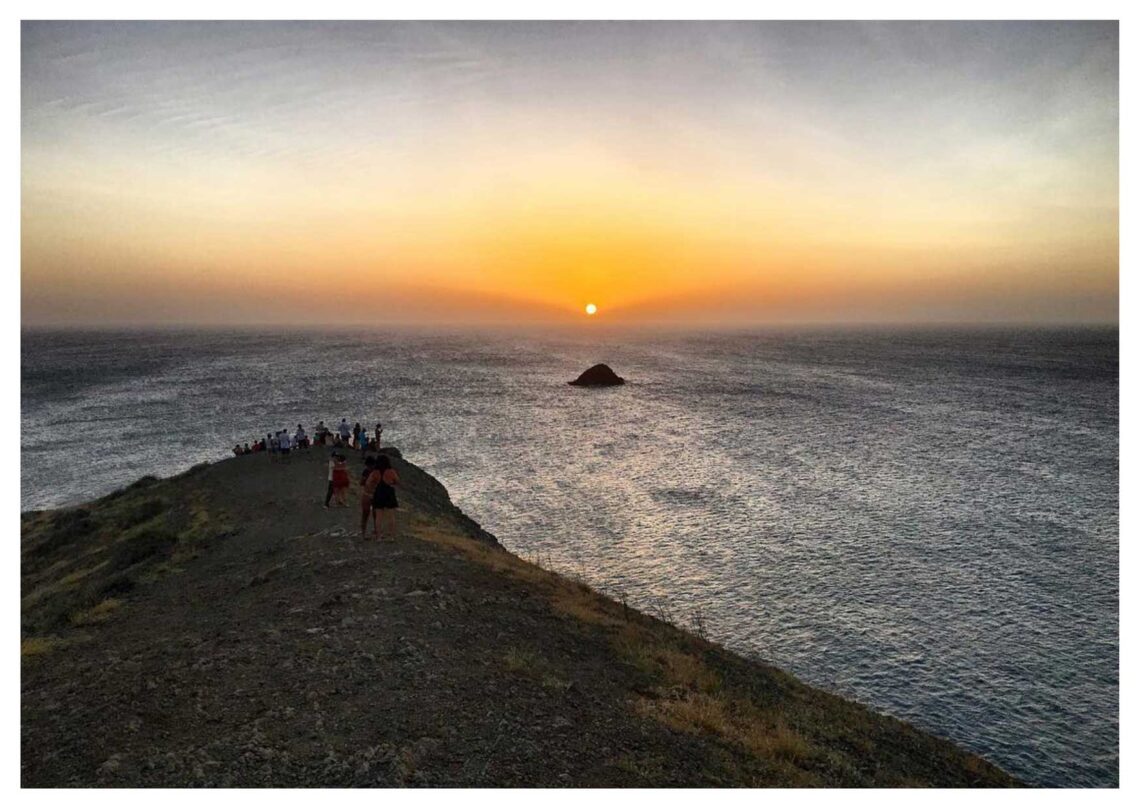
column 221, row 628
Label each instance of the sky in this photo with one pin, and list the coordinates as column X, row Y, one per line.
column 749, row 173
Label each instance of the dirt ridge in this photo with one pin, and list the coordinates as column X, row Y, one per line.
column 221, row 628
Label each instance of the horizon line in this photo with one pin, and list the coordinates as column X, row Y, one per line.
column 583, row 325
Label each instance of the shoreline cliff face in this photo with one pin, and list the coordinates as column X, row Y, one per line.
column 221, row 628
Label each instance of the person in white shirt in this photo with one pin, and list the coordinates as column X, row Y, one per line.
column 300, row 439
column 345, row 430
column 284, row 443
column 329, row 491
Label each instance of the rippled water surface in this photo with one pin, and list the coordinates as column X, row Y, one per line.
column 925, row 521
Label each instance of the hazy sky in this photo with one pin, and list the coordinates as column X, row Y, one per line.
column 474, row 172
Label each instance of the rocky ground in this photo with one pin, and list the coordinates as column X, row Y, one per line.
column 222, row 629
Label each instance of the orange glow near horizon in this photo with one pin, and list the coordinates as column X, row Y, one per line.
column 154, row 193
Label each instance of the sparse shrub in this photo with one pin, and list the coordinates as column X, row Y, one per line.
column 141, row 546
column 698, row 624
column 142, row 483
column 118, row 585
column 65, row 528
column 141, row 512
column 73, row 521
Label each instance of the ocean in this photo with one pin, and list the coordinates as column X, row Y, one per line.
column 926, row 521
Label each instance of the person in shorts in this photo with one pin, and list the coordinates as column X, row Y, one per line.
column 340, row 480
column 384, row 499
column 368, row 483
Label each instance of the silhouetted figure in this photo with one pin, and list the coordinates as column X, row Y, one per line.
column 384, row 499
column 368, row 483
column 340, row 480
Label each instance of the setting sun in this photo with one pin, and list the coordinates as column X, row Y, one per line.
column 591, row 309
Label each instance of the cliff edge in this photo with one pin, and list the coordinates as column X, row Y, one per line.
column 221, row 628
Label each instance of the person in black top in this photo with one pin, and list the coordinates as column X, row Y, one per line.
column 384, row 499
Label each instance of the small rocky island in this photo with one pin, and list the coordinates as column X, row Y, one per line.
column 600, row 375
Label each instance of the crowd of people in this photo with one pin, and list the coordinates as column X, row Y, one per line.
column 281, row 443
column 377, row 484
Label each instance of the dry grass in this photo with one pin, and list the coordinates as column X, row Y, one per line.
column 651, row 769
column 31, row 647
column 692, row 696
column 684, row 669
column 520, row 661
column 736, row 721
column 79, row 575
column 786, row 733
column 584, row 604
column 555, row 683
column 495, row 559
column 534, row 666
column 97, row 614
column 64, row 583
column 573, row 599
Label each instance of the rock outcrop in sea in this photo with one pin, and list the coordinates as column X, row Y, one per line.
column 600, row 375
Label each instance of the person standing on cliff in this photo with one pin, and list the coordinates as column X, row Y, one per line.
column 368, row 483
column 284, row 444
column 344, row 430
column 340, row 480
column 329, row 491
column 384, row 499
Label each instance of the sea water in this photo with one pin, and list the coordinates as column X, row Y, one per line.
column 923, row 520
